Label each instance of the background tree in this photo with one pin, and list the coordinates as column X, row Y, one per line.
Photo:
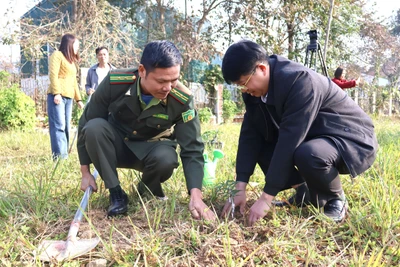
column 391, row 68
column 204, row 29
column 95, row 23
column 282, row 26
column 212, row 77
column 192, row 33
column 396, row 24
column 375, row 50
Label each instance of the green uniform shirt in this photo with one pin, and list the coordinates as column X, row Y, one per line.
column 171, row 121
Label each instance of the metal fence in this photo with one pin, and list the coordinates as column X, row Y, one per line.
column 37, row 90
column 375, row 102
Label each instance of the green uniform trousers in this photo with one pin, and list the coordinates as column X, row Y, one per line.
column 108, row 151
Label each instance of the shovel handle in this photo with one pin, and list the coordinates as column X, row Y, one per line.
column 73, row 230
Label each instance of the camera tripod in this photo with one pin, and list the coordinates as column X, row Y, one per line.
column 314, row 50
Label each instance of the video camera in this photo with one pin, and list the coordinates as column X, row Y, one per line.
column 313, row 52
column 313, row 37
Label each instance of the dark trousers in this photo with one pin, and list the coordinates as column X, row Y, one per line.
column 108, row 151
column 264, row 160
column 319, row 163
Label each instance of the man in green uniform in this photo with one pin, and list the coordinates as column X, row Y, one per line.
column 136, row 119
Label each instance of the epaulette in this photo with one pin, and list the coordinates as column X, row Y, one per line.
column 180, row 93
column 122, row 77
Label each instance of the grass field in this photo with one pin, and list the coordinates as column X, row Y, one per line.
column 38, row 202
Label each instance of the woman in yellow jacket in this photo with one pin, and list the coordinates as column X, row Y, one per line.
column 62, row 90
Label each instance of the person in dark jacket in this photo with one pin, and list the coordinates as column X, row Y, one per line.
column 135, row 120
column 341, row 81
column 300, row 127
column 98, row 71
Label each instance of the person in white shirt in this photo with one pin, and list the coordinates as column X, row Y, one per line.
column 98, row 71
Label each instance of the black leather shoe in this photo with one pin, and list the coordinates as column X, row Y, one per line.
column 300, row 198
column 118, row 204
column 336, row 209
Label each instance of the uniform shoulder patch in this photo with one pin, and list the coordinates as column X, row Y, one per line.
column 123, row 76
column 188, row 115
column 181, row 93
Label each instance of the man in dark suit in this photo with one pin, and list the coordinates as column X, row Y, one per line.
column 135, row 119
column 299, row 127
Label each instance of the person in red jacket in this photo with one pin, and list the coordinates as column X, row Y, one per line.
column 341, row 81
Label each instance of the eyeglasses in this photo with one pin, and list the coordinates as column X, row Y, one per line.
column 243, row 87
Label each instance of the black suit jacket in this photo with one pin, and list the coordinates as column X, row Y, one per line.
column 305, row 105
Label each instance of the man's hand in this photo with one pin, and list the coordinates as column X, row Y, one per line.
column 260, row 208
column 198, row 208
column 239, row 200
column 91, row 91
column 87, row 179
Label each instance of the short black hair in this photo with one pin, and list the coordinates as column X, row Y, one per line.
column 160, row 54
column 241, row 58
column 98, row 49
column 338, row 72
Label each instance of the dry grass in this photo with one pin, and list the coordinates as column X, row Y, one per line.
column 38, row 202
